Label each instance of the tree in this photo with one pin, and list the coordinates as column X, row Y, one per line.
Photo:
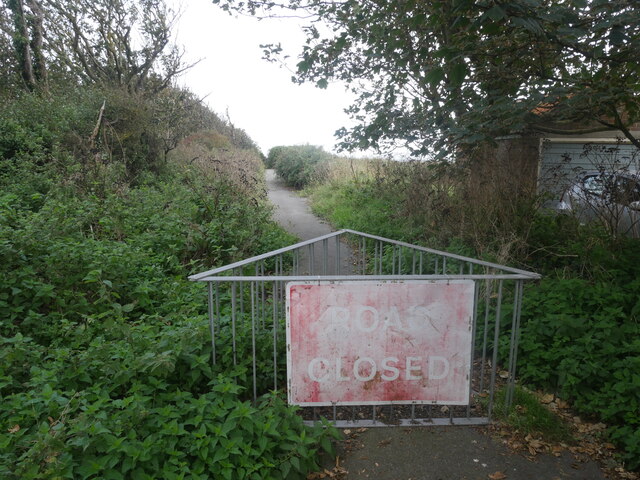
column 442, row 74
column 123, row 43
column 178, row 113
column 7, row 57
column 111, row 43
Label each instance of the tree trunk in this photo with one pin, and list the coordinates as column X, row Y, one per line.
column 21, row 43
column 39, row 63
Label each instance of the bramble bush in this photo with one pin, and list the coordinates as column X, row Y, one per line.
column 581, row 326
column 86, row 256
column 116, row 400
column 581, row 340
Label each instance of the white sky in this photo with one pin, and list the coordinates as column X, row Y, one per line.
column 260, row 97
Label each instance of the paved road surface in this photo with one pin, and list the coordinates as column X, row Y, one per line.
column 292, row 211
column 294, row 214
column 426, row 453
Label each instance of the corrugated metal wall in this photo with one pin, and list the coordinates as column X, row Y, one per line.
column 560, row 163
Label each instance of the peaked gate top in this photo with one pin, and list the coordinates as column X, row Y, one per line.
column 450, row 265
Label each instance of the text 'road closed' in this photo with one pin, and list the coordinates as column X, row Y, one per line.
column 373, row 342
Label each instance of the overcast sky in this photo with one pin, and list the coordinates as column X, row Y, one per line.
column 259, row 95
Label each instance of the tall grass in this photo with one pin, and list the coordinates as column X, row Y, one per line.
column 434, row 203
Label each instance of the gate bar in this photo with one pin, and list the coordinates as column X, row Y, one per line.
column 319, row 278
column 204, row 276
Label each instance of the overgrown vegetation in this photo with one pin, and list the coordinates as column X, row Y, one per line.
column 113, row 190
column 529, row 417
column 580, row 323
column 581, row 334
column 105, row 358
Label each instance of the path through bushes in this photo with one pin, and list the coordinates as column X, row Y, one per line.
column 425, row 453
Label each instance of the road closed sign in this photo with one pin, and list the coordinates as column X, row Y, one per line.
column 372, row 342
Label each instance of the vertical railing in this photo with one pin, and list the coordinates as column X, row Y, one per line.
column 253, row 290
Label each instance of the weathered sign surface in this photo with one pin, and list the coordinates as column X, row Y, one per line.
column 371, row 342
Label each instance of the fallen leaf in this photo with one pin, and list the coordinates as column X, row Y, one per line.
column 582, row 428
column 497, row 476
column 14, row 429
column 514, row 444
column 547, row 398
column 504, row 374
column 537, row 444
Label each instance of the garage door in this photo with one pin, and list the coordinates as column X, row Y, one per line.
column 562, row 162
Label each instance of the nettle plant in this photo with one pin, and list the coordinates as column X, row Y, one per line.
column 105, row 353
column 117, row 400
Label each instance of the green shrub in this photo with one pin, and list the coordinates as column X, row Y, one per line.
column 105, row 356
column 82, row 257
column 579, row 339
column 297, row 165
column 274, row 155
column 34, row 128
column 116, row 401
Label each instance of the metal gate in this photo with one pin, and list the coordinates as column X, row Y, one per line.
column 247, row 319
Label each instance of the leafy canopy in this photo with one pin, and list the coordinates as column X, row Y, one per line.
column 433, row 75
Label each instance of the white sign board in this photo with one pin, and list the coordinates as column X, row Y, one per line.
column 371, row 342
